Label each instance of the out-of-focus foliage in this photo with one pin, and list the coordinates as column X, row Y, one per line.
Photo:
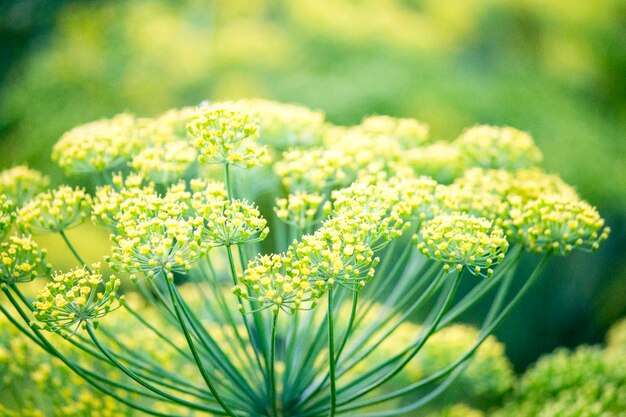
column 556, row 69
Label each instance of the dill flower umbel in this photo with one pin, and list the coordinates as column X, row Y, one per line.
column 7, row 215
column 110, row 201
column 165, row 163
column 74, row 299
column 558, row 225
column 21, row 183
column 498, row 147
column 54, row 211
column 231, row 222
column 461, row 240
column 225, row 135
column 409, row 133
column 98, row 146
column 21, row 260
column 156, row 245
column 301, row 209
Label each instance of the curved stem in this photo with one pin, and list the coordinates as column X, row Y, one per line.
column 194, row 351
column 73, row 250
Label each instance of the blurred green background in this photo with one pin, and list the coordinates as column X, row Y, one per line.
column 554, row 68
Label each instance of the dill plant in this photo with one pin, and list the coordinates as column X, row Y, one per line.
column 277, row 255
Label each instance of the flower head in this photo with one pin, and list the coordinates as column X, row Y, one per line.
column 461, row 240
column 7, row 215
column 97, row 146
column 154, row 236
column 285, row 126
column 410, row 133
column 231, row 222
column 21, row 183
column 440, row 160
column 557, row 224
column 225, row 135
column 76, row 299
column 314, row 170
column 21, row 260
column 498, row 147
column 55, row 210
column 165, row 163
column 301, row 209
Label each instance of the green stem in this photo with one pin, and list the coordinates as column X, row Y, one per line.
column 273, row 366
column 229, row 190
column 331, row 354
column 73, row 250
column 194, row 351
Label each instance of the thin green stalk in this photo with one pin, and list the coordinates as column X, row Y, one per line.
column 486, row 331
column 194, row 351
column 274, row 396
column 73, row 250
column 229, row 191
column 331, row 354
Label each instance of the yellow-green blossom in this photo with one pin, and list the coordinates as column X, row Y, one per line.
column 21, row 183
column 111, row 200
column 301, row 209
column 97, row 146
column 21, row 260
column 284, row 126
column 461, row 240
column 75, row 299
column 231, row 222
column 54, row 211
column 441, row 161
column 498, row 147
column 165, row 163
column 557, row 224
column 153, row 245
column 225, row 135
column 314, row 170
column 409, row 133
column 7, row 215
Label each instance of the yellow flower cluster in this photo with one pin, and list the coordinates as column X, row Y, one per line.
column 463, row 241
column 376, row 210
column 231, row 222
column 7, row 215
column 225, row 135
column 313, row 170
column 440, row 160
column 410, row 133
column 283, row 126
column 154, row 236
column 556, row 224
column 54, row 211
column 21, row 183
column 21, row 260
column 302, row 209
column 165, row 163
column 98, row 146
column 110, row 200
column 498, row 147
column 74, row 299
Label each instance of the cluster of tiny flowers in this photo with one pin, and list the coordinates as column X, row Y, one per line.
column 231, row 222
column 7, row 215
column 225, row 135
column 283, row 126
column 498, row 147
column 97, row 146
column 377, row 210
column 409, row 133
column 55, row 210
column 154, row 236
column 21, row 260
column 21, row 183
column 461, row 240
column 441, row 161
column 111, row 200
column 165, row 163
column 554, row 224
column 302, row 209
column 313, row 170
column 418, row 194
column 75, row 299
